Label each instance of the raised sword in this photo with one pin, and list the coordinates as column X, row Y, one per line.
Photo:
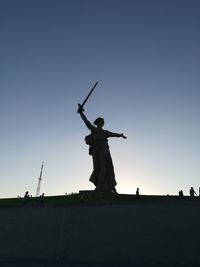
column 86, row 99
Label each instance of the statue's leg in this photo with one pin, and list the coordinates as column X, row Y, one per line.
column 101, row 181
column 94, row 175
column 110, row 174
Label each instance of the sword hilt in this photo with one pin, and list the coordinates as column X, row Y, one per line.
column 80, row 108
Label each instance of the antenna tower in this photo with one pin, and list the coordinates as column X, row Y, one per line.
column 39, row 181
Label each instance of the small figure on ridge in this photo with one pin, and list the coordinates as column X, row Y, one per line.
column 192, row 192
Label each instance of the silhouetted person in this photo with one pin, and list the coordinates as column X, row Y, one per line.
column 137, row 193
column 103, row 176
column 180, row 193
column 192, row 192
column 41, row 198
column 26, row 196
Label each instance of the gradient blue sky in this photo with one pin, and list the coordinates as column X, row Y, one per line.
column 145, row 54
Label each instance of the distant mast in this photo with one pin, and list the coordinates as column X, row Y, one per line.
column 39, row 181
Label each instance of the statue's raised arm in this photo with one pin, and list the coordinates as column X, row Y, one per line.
column 84, row 118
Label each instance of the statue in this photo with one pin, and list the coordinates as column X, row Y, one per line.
column 103, row 176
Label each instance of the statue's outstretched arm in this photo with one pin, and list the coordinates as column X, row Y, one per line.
column 111, row 134
column 84, row 118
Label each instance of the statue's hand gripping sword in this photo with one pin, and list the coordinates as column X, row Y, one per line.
column 86, row 99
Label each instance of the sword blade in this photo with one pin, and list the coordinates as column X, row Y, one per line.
column 86, row 99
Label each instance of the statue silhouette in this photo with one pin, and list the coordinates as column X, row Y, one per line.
column 103, row 176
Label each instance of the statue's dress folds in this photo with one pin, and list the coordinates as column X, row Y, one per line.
column 103, row 176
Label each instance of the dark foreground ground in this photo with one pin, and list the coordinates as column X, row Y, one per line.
column 100, row 231
column 36, row 263
column 42, row 263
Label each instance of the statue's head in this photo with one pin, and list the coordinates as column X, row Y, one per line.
column 99, row 122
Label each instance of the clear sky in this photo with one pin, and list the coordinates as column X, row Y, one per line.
column 145, row 54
